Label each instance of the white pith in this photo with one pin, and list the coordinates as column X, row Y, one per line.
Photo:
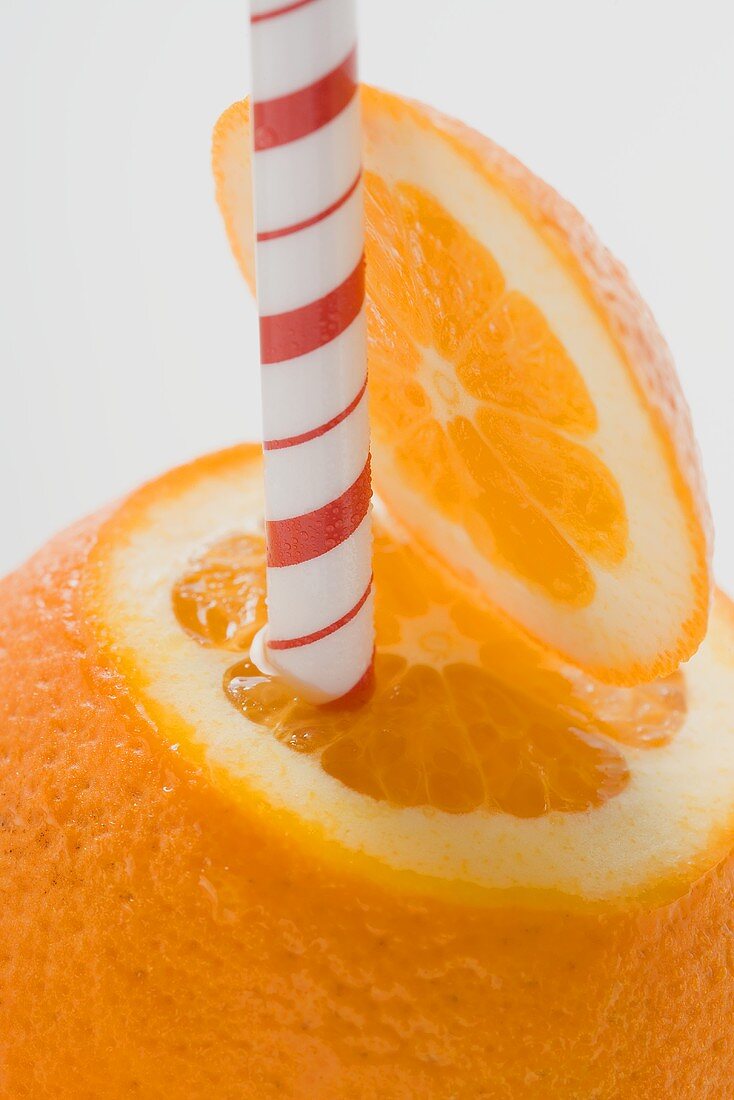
column 678, row 798
column 640, row 605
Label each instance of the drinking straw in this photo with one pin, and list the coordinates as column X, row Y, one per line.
column 310, row 294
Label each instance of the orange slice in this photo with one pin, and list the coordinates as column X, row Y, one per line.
column 528, row 427
column 412, row 897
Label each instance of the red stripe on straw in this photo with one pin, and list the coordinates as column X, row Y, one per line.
column 316, row 433
column 273, row 234
column 289, row 117
column 303, row 538
column 288, row 335
column 307, row 639
column 280, row 11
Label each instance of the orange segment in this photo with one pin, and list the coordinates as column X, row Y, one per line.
column 527, row 424
column 513, row 360
column 504, row 519
column 456, row 280
column 571, row 486
column 394, row 292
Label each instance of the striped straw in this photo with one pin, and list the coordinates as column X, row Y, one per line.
column 310, row 292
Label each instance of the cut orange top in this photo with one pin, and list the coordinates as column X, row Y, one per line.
column 476, row 716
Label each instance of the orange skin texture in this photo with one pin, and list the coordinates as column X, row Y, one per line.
column 159, row 938
column 603, row 280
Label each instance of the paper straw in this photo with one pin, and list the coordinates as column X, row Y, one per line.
column 310, row 292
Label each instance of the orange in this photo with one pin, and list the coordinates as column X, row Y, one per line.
column 527, row 423
column 504, row 866
column 195, row 904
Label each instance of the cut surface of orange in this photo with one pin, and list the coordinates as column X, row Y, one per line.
column 527, row 424
column 462, row 710
column 470, row 736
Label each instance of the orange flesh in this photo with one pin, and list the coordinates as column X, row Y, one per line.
column 484, row 718
column 498, row 438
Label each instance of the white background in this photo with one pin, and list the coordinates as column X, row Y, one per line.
column 127, row 340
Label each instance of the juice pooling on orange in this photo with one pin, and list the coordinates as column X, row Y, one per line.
column 504, row 866
column 462, row 712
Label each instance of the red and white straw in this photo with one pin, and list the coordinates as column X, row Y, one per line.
column 310, row 293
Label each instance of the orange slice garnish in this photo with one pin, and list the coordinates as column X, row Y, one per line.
column 528, row 428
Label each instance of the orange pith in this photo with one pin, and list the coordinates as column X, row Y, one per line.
column 497, row 443
column 482, row 718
